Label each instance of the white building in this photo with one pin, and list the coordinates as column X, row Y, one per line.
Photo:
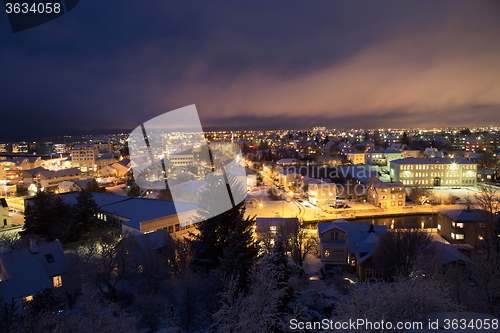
column 181, row 159
column 84, row 157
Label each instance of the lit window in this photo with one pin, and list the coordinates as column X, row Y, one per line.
column 57, row 281
column 452, row 235
column 327, row 253
column 459, row 236
column 439, row 226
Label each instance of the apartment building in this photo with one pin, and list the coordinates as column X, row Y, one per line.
column 84, row 157
column 428, row 172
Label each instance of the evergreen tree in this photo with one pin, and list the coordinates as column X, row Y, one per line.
column 134, row 191
column 241, row 250
column 85, row 213
column 92, row 186
column 226, row 238
column 277, row 265
column 47, row 216
column 277, row 262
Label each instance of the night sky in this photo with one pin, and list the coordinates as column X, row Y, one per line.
column 108, row 66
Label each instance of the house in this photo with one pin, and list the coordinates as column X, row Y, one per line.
column 356, row 157
column 349, row 245
column 26, row 271
column 486, row 175
column 76, row 185
column 322, row 192
column 251, row 179
column 4, row 214
column 388, row 195
column 463, row 226
column 288, row 177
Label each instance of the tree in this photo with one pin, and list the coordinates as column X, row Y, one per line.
column 404, row 300
column 48, row 216
column 105, row 263
column 487, row 204
column 85, row 213
column 255, row 312
column 241, row 250
column 93, row 186
column 397, row 250
column 214, row 231
column 297, row 241
column 134, row 191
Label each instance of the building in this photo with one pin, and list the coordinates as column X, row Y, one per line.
column 4, row 214
column 132, row 214
column 429, row 172
column 356, row 157
column 117, row 169
column 288, row 177
column 486, row 175
column 181, row 159
column 50, row 180
column 388, row 195
column 29, row 270
column 11, row 170
column 411, row 153
column 322, row 192
column 383, row 157
column 84, row 157
column 72, row 186
column 349, row 245
column 272, row 224
column 462, row 226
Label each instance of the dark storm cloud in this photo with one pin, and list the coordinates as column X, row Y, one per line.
column 250, row 63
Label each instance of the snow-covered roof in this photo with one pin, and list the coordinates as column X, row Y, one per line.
column 29, row 272
column 448, row 253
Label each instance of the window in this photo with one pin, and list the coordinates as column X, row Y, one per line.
column 49, row 257
column 459, row 236
column 327, row 253
column 334, row 236
column 369, row 274
column 177, row 227
column 439, row 226
column 379, row 274
column 400, row 203
column 384, row 197
column 26, row 300
column 57, row 281
column 452, row 235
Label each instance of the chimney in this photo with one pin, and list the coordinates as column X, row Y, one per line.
column 33, row 247
column 371, row 228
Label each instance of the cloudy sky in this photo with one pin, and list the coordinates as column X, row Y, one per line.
column 109, row 66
